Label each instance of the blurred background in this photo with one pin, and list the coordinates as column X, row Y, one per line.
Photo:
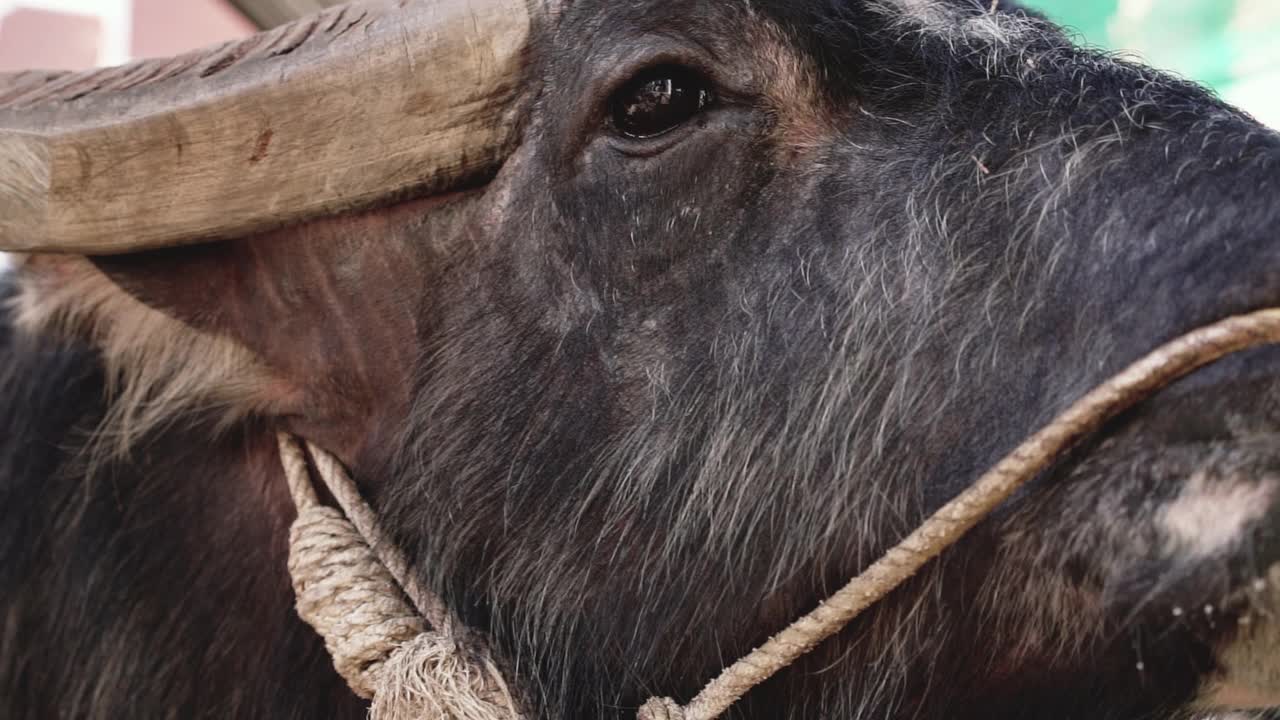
column 75, row 34
column 1231, row 45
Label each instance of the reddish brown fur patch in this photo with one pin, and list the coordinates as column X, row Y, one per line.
column 805, row 122
column 314, row 326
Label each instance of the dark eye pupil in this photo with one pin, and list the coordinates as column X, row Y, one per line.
column 658, row 101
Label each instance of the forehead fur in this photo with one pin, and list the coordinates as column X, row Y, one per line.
column 969, row 17
column 988, row 29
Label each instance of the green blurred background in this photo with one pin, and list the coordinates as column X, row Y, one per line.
column 1231, row 45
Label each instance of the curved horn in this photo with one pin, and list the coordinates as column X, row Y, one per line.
column 337, row 111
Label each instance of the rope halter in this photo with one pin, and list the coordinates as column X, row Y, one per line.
column 393, row 641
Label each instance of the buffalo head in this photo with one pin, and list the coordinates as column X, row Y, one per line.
column 646, row 324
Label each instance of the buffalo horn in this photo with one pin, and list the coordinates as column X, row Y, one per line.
column 355, row 106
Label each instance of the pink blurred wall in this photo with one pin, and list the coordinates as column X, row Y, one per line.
column 168, row 27
column 34, row 38
column 48, row 40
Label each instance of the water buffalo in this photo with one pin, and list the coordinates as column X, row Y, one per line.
column 643, row 325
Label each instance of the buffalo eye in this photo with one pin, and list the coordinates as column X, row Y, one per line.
column 657, row 101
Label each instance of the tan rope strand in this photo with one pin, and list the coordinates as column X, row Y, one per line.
column 295, row 473
column 953, row 520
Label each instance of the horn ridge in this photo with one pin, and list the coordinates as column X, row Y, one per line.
column 86, row 86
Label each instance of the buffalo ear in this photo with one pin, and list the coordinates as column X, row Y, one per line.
column 273, row 139
column 316, row 325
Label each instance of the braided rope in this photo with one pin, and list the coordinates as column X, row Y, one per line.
column 374, row 625
column 352, row 583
